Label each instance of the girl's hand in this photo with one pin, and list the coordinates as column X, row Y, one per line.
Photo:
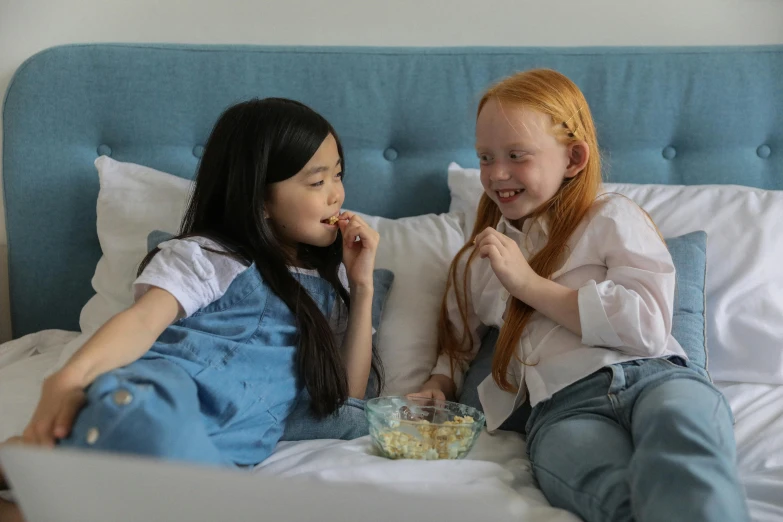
column 358, row 256
column 431, row 393
column 508, row 263
column 61, row 399
column 122, row 340
column 438, row 387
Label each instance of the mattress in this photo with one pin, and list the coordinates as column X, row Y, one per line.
column 497, row 467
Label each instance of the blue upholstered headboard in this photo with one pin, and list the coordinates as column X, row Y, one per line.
column 664, row 115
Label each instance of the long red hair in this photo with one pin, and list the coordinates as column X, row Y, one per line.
column 552, row 94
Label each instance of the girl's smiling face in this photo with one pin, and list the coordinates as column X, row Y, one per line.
column 523, row 164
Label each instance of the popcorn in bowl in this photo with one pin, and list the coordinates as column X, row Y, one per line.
column 423, row 429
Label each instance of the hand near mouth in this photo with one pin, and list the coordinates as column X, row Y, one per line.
column 360, row 243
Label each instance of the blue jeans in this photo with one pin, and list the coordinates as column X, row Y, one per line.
column 646, row 440
column 347, row 423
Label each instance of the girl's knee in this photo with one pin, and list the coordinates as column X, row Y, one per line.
column 685, row 408
column 686, row 398
column 130, row 419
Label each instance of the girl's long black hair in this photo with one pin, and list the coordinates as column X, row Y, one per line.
column 253, row 144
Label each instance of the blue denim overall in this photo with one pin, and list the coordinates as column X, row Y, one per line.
column 216, row 387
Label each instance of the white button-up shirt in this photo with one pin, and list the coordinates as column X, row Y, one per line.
column 625, row 280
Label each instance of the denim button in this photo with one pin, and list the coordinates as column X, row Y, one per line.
column 104, row 150
column 92, row 436
column 122, row 397
column 669, row 152
column 390, row 154
column 764, row 151
column 198, row 151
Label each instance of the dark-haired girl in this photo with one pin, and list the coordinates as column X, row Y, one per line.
column 264, row 298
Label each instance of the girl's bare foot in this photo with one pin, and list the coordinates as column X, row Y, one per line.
column 10, row 512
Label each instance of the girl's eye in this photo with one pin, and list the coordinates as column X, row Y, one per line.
column 317, row 184
column 484, row 158
column 516, row 155
column 340, row 175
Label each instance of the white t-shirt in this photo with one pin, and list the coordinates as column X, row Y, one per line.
column 196, row 277
column 625, row 278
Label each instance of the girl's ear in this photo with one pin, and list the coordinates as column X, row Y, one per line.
column 578, row 154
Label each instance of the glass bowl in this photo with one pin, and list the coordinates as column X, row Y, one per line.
column 424, row 429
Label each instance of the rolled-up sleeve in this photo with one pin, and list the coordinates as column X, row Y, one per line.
column 631, row 310
column 195, row 274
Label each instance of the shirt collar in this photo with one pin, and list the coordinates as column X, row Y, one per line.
column 536, row 229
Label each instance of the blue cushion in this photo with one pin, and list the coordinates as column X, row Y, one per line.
column 382, row 281
column 689, row 253
column 156, row 237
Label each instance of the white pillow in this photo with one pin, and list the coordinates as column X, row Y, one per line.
column 419, row 251
column 132, row 201
column 466, row 190
column 744, row 278
column 135, row 200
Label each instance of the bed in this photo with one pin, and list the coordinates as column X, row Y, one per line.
column 694, row 134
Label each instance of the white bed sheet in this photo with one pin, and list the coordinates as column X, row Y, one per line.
column 496, row 468
column 24, row 363
column 758, row 429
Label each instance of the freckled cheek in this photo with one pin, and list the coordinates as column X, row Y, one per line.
column 485, row 180
column 523, row 175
